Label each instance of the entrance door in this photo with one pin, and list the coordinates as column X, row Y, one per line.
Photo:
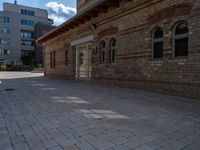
column 83, row 61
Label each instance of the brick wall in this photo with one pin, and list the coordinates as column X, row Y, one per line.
column 132, row 25
column 84, row 4
column 40, row 30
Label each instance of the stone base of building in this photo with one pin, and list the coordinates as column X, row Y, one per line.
column 171, row 88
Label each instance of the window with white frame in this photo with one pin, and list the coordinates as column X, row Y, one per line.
column 4, row 30
column 4, row 41
column 180, row 39
column 27, row 12
column 1, row 51
column 5, row 52
column 157, row 43
column 4, row 19
column 26, row 34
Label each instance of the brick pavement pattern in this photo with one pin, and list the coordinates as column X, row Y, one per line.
column 51, row 114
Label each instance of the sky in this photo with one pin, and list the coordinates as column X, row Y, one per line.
column 58, row 10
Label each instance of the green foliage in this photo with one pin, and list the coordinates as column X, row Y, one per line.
column 2, row 67
column 37, row 66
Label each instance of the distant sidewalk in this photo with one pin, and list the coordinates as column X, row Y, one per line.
column 17, row 75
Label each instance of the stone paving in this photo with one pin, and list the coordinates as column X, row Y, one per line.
column 52, row 114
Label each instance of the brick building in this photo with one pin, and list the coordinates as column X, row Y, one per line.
column 144, row 44
column 40, row 29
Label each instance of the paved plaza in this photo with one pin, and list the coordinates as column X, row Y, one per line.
column 38, row 113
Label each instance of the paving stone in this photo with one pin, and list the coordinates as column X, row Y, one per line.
column 17, row 139
column 3, row 131
column 4, row 141
column 35, row 144
column 50, row 143
column 84, row 145
column 67, row 142
column 6, row 146
column 144, row 147
column 79, row 115
column 21, row 146
column 71, row 147
column 55, row 148
column 54, row 134
column 194, row 146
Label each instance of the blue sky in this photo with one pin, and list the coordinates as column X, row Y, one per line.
column 59, row 10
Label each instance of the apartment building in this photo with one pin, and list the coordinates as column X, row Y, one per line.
column 143, row 44
column 17, row 31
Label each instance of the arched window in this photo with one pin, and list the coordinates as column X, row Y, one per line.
column 102, row 51
column 112, row 50
column 180, row 39
column 157, row 45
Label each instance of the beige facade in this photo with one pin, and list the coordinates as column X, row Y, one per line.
column 19, row 23
column 143, row 44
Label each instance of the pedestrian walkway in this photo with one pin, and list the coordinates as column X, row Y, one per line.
column 39, row 113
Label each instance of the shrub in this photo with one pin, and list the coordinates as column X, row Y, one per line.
column 16, row 68
column 2, row 67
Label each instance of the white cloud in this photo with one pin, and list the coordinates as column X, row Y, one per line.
column 59, row 12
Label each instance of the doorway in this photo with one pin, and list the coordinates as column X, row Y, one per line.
column 83, row 61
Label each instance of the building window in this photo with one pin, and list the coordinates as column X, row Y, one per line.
column 27, row 43
column 27, row 12
column 4, row 41
column 112, row 50
column 66, row 58
column 157, row 45
column 26, row 34
column 53, row 59
column 4, row 19
column 4, row 30
column 27, row 22
column 5, row 52
column 102, row 52
column 1, row 52
column 27, row 53
column 180, row 39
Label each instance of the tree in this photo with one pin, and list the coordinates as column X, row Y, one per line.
column 26, row 60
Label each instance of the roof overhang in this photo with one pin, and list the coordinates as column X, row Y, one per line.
column 81, row 18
